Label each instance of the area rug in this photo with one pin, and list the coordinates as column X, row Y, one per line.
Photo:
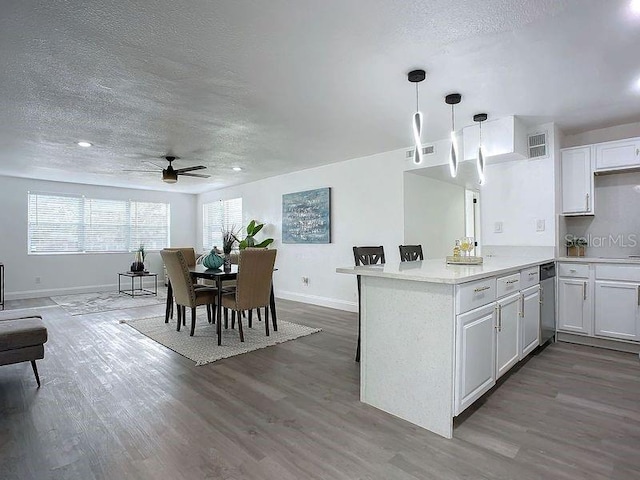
column 203, row 347
column 83, row 303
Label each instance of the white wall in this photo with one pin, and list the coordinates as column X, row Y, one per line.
column 518, row 193
column 366, row 209
column 434, row 214
column 72, row 273
column 618, row 132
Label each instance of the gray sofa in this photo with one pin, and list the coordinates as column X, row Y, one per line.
column 22, row 339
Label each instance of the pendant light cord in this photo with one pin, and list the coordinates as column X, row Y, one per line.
column 417, row 99
column 453, row 122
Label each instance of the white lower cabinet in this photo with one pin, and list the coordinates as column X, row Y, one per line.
column 530, row 321
column 475, row 358
column 508, row 334
column 616, row 310
column 574, row 309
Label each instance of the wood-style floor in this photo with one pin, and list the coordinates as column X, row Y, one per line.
column 116, row 405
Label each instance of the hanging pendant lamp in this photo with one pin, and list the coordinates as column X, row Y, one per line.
column 480, row 117
column 417, row 76
column 453, row 99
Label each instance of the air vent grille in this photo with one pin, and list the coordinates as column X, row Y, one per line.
column 538, row 145
column 428, row 150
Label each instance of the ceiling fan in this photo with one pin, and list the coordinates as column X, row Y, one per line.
column 170, row 174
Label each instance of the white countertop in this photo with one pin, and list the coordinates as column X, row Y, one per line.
column 630, row 261
column 437, row 271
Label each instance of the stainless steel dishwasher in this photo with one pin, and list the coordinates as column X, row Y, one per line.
column 547, row 302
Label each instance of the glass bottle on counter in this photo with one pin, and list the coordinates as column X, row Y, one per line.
column 456, row 249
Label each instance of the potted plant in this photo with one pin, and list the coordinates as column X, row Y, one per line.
column 138, row 262
column 575, row 246
column 249, row 241
column 229, row 239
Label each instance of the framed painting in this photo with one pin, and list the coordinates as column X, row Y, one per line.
column 306, row 216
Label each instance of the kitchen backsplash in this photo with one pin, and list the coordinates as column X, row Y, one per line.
column 614, row 230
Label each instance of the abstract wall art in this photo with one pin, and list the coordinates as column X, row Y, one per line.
column 306, row 216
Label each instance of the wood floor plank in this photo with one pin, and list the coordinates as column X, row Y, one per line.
column 115, row 404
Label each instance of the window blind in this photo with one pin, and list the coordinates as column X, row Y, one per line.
column 223, row 214
column 149, row 225
column 75, row 224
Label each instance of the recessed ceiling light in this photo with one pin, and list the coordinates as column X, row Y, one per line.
column 237, row 169
column 635, row 6
column 84, row 144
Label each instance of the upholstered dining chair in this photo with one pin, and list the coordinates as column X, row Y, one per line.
column 365, row 256
column 189, row 254
column 253, row 286
column 184, row 291
column 410, row 253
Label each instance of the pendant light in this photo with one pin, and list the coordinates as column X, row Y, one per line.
column 453, row 99
column 417, row 76
column 480, row 117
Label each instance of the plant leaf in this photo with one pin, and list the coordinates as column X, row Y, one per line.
column 264, row 243
column 257, row 228
column 250, row 227
column 242, row 245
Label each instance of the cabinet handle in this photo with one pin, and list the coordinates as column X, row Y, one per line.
column 587, row 209
column 584, row 290
column 512, row 281
column 522, row 303
column 499, row 318
column 481, row 289
column 533, row 273
column 541, row 290
column 638, row 294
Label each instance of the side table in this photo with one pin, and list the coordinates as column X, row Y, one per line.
column 139, row 291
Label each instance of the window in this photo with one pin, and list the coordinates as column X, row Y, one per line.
column 76, row 224
column 224, row 214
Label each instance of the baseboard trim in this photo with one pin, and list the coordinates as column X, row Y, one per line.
column 52, row 292
column 619, row 345
column 320, row 301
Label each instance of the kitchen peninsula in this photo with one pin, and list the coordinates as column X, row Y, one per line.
column 435, row 337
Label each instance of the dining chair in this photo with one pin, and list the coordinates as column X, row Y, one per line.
column 253, row 286
column 189, row 254
column 365, row 256
column 410, row 253
column 184, row 291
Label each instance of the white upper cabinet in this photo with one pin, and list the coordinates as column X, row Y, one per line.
column 503, row 139
column 577, row 181
column 618, row 155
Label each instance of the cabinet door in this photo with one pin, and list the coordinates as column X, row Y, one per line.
column 577, row 181
column 573, row 311
column 617, row 310
column 530, row 321
column 475, row 355
column 508, row 334
column 614, row 155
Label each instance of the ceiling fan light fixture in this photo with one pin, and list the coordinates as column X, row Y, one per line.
column 417, row 76
column 237, row 169
column 453, row 99
column 169, row 176
column 84, row 144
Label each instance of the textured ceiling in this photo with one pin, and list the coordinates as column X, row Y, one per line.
column 277, row 86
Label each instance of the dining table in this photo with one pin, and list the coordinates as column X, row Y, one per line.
column 219, row 275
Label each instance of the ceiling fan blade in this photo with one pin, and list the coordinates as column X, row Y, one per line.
column 154, row 164
column 193, row 175
column 190, row 169
column 146, row 171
